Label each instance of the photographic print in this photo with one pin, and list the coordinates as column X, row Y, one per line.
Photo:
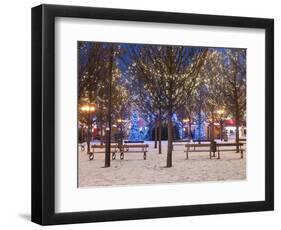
column 180, row 115
column 152, row 114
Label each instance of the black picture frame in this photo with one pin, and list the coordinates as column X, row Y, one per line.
column 43, row 114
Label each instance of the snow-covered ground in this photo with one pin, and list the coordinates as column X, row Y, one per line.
column 134, row 170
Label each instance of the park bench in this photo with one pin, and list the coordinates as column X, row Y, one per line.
column 198, row 148
column 133, row 142
column 213, row 148
column 179, row 143
column 101, row 149
column 133, row 148
column 221, row 148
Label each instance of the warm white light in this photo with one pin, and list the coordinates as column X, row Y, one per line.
column 87, row 108
column 186, row 120
column 220, row 111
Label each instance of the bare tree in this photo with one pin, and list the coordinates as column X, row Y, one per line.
column 90, row 81
column 232, row 67
column 145, row 87
column 97, row 84
column 213, row 82
column 168, row 75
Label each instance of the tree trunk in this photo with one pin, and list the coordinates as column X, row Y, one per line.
column 151, row 132
column 82, row 134
column 171, row 71
column 88, row 140
column 221, row 130
column 182, row 131
column 101, row 133
column 155, row 134
column 237, row 135
column 107, row 145
column 88, row 133
column 160, row 136
column 213, row 127
column 108, row 125
column 189, row 127
column 101, row 124
column 200, row 123
column 170, row 142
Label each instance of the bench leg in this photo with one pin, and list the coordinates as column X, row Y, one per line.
column 113, row 156
column 122, row 155
column 242, row 154
column 219, row 157
column 144, row 155
column 186, row 155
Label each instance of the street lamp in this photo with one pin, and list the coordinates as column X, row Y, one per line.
column 88, row 109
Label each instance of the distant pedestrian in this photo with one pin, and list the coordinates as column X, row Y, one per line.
column 225, row 136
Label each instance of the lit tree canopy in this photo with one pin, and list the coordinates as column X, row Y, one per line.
column 161, row 81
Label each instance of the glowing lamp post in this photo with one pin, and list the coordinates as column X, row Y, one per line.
column 88, row 110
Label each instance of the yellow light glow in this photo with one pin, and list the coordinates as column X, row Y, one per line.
column 186, row 120
column 87, row 108
column 119, row 120
column 220, row 111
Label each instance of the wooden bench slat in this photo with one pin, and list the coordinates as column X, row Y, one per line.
column 102, row 146
column 197, row 145
column 229, row 144
column 128, row 142
column 134, row 146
